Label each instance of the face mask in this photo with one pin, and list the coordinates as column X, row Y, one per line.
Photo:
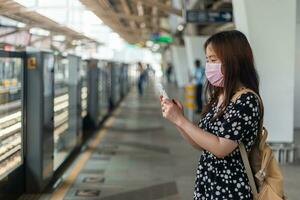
column 214, row 74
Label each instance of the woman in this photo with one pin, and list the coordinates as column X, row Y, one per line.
column 224, row 123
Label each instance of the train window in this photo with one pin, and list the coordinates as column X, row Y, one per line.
column 62, row 143
column 11, row 123
column 84, row 90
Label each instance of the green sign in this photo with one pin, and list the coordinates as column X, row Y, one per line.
column 157, row 38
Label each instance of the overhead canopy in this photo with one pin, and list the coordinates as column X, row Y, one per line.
column 133, row 20
column 31, row 18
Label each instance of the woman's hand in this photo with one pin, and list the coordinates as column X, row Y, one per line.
column 179, row 105
column 172, row 110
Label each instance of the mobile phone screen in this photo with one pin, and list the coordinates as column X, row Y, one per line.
column 161, row 90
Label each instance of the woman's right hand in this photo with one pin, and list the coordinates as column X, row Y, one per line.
column 179, row 104
column 175, row 101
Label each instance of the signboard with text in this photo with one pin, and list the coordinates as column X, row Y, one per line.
column 204, row 17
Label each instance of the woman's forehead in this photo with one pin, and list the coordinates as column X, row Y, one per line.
column 210, row 51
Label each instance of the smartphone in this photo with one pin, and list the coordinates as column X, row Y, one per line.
column 161, row 90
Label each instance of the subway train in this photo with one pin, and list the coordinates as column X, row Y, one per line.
column 50, row 105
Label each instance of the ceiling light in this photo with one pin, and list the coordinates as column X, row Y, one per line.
column 140, row 9
column 59, row 38
column 149, row 43
column 76, row 42
column 180, row 27
column 155, row 47
column 143, row 25
column 39, row 31
column 21, row 25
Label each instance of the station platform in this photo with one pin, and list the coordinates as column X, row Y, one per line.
column 138, row 155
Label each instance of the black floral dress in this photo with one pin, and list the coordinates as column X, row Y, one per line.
column 225, row 178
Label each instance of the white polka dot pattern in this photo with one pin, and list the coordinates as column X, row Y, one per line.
column 221, row 179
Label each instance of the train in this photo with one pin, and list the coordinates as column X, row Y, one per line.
column 50, row 105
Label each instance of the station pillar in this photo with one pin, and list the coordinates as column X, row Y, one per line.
column 270, row 26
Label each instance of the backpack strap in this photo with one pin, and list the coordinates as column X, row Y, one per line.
column 242, row 148
column 248, row 169
column 261, row 105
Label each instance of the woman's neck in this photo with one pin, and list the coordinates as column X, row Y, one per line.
column 222, row 94
column 239, row 86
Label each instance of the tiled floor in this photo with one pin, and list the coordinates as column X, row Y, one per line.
column 143, row 157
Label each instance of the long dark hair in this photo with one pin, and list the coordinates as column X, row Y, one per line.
column 234, row 51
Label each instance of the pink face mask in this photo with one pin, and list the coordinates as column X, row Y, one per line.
column 214, row 74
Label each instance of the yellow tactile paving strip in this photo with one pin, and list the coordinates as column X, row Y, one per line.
column 61, row 191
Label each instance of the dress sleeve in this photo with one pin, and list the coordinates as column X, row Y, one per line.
column 241, row 121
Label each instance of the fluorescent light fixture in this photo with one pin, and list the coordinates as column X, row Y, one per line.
column 21, row 25
column 76, row 42
column 155, row 47
column 59, row 38
column 149, row 43
column 61, row 106
column 140, row 9
column 39, row 31
column 10, row 117
column 143, row 25
column 114, row 35
column 60, row 99
column 10, row 129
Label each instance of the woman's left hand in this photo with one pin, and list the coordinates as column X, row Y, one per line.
column 171, row 111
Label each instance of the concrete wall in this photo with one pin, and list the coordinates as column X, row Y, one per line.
column 179, row 59
column 194, row 50
column 175, row 20
column 297, row 70
column 271, row 31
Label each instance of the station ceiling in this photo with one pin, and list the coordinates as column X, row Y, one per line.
column 16, row 11
column 133, row 20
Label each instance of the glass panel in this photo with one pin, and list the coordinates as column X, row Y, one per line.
column 48, row 62
column 84, row 90
column 62, row 146
column 11, row 126
column 103, row 93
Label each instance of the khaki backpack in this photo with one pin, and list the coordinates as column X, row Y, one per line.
column 264, row 174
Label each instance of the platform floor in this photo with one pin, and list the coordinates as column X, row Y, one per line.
column 140, row 156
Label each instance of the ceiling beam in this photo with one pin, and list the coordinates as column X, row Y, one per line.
column 40, row 39
column 105, row 7
column 105, row 12
column 9, row 33
column 131, row 17
column 150, row 28
column 15, row 11
column 128, row 12
column 141, row 12
column 18, row 12
column 155, row 19
column 218, row 4
column 14, row 31
column 161, row 6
